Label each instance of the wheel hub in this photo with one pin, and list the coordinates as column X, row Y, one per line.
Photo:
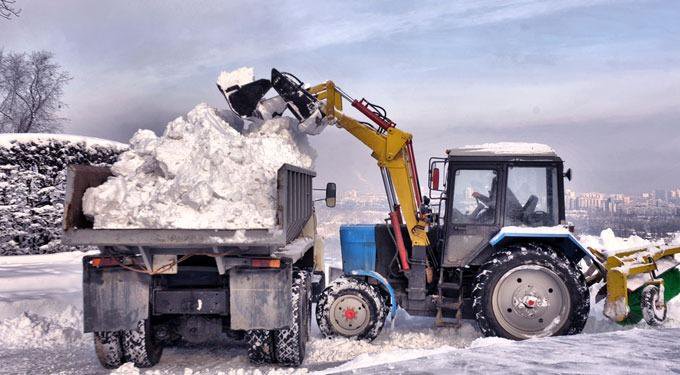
column 350, row 315
column 531, row 301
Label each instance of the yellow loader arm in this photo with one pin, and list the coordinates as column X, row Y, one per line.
column 391, row 147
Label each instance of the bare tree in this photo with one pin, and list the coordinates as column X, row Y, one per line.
column 31, row 86
column 8, row 9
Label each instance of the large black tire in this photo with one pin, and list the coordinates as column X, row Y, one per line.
column 290, row 343
column 260, row 346
column 553, row 299
column 369, row 309
column 109, row 349
column 140, row 346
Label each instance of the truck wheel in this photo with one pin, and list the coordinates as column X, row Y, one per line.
column 291, row 342
column 351, row 308
column 530, row 291
column 260, row 346
column 109, row 349
column 140, row 346
column 653, row 307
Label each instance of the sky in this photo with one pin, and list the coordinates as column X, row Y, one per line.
column 599, row 81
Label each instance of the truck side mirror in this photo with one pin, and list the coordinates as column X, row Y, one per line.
column 567, row 174
column 330, row 194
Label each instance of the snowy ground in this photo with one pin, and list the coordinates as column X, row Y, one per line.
column 40, row 332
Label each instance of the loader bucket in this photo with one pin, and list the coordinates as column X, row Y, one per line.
column 300, row 101
column 243, row 99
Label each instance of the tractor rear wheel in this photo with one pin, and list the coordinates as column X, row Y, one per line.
column 528, row 291
column 351, row 308
column 652, row 305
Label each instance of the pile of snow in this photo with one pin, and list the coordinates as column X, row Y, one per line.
column 507, row 148
column 30, row 330
column 32, row 179
column 609, row 244
column 209, row 170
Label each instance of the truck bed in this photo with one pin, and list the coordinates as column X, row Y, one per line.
column 294, row 208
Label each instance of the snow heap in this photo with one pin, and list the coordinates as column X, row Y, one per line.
column 239, row 77
column 32, row 179
column 209, row 170
column 609, row 244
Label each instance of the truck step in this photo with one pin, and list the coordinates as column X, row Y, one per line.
column 447, row 303
column 449, row 286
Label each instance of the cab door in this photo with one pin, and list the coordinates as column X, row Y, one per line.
column 473, row 212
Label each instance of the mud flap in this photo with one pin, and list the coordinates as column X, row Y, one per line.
column 114, row 299
column 260, row 298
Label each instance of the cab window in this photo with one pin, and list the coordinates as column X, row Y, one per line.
column 531, row 198
column 474, row 196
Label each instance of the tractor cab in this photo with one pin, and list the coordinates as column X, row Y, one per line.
column 489, row 187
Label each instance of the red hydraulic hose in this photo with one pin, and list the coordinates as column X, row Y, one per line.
column 401, row 248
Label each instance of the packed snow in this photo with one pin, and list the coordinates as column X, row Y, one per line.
column 505, row 148
column 609, row 244
column 209, row 170
column 41, row 323
column 240, row 76
column 9, row 139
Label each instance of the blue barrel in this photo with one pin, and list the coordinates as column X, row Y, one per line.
column 357, row 242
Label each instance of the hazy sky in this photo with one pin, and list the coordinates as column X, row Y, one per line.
column 597, row 80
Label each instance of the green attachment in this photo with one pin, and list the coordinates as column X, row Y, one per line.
column 671, row 282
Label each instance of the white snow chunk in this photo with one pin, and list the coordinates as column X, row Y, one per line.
column 240, row 76
column 608, row 244
column 202, row 173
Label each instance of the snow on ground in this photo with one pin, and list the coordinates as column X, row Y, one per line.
column 8, row 139
column 40, row 332
column 41, row 322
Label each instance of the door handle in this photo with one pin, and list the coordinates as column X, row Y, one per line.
column 459, row 227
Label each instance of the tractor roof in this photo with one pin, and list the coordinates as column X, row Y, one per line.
column 506, row 149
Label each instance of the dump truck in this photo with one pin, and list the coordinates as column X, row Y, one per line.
column 489, row 241
column 149, row 288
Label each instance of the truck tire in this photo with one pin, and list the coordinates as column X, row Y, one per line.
column 109, row 349
column 530, row 290
column 260, row 346
column 140, row 346
column 290, row 343
column 351, row 308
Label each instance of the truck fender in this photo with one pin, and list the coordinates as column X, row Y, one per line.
column 379, row 278
column 558, row 236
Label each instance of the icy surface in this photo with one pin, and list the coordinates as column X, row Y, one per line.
column 506, row 148
column 202, row 173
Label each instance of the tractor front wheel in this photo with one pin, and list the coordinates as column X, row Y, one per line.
column 351, row 308
column 530, row 290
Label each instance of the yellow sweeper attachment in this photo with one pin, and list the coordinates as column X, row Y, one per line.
column 639, row 281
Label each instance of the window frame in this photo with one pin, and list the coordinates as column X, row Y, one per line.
column 500, row 198
column 559, row 188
